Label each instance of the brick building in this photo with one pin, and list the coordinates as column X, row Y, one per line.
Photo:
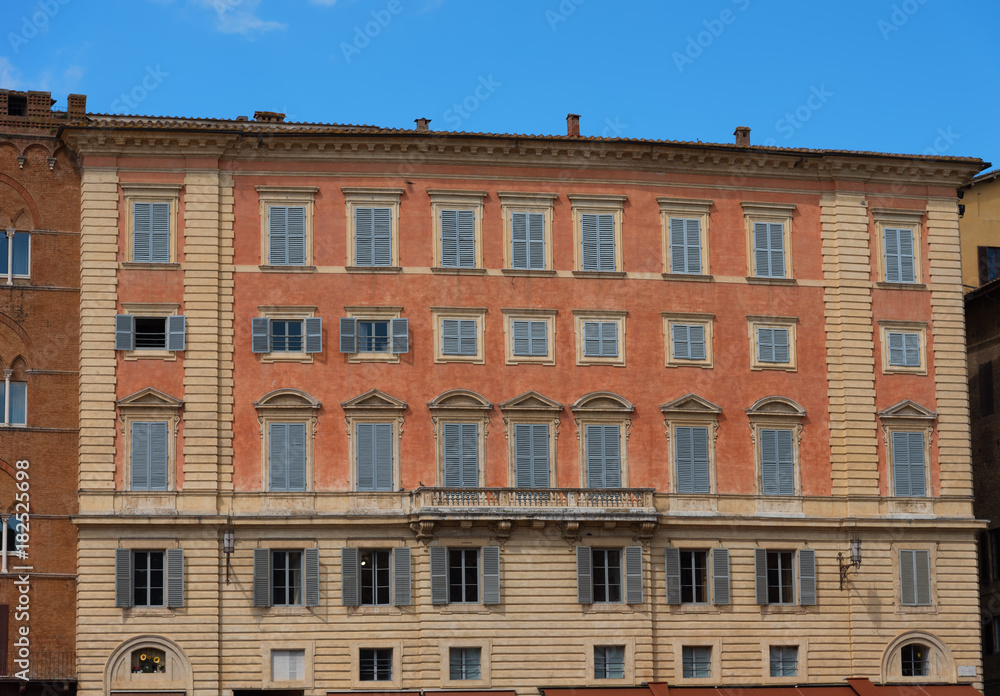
column 405, row 410
column 39, row 355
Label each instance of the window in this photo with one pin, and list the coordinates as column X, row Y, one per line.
column 285, row 577
column 685, row 227
column 898, row 234
column 776, row 574
column 898, row 245
column 149, row 455
column 527, row 231
column 989, row 264
column 906, row 428
column 908, row 472
column 904, row 345
column 914, row 577
column 15, row 255
column 694, row 577
column 688, row 339
column 151, row 218
column 14, row 402
column 772, row 342
column 374, row 334
column 461, row 454
column 776, row 430
column 527, row 241
column 458, row 334
column 457, row 229
column 529, row 336
column 458, row 337
column 609, row 662
column 604, row 463
column 777, row 462
column 904, row 349
column 913, row 658
column 148, row 661
column 287, row 427
column 689, row 572
column 455, row 575
column 603, row 420
column 464, row 664
column 372, row 229
column 597, row 223
column 531, row 450
column 697, row 662
column 691, row 457
column 286, row 334
column 529, row 419
column 287, row 456
column 164, row 334
column 769, row 240
column 784, row 661
column 460, row 418
column 986, row 388
column 286, row 219
column 288, row 665
column 600, row 575
column 149, row 578
column 374, row 457
column 600, row 337
column 375, row 664
column 375, row 577
column 374, row 423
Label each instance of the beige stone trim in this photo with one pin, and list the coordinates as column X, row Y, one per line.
column 686, row 208
column 903, row 219
column 910, row 327
column 460, row 406
column 526, row 202
column 530, row 408
column 583, row 316
column 690, row 411
column 802, row 659
column 715, row 644
column 397, row 664
column 268, row 681
column 286, row 406
column 670, row 319
column 603, row 408
column 546, row 315
column 897, row 596
column 371, row 198
column 788, row 324
column 132, row 193
column 457, row 200
column 780, row 413
column 477, row 314
column 768, row 212
column 940, row 662
column 286, row 196
column 485, row 664
column 373, row 406
column 599, row 204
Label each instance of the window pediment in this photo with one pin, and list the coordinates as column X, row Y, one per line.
column 287, row 399
column 373, row 400
column 776, row 406
column 531, row 402
column 690, row 404
column 150, row 398
column 459, row 400
column 602, row 402
column 907, row 410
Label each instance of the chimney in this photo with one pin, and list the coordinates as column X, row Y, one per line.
column 40, row 104
column 423, row 124
column 268, row 116
column 572, row 124
column 77, row 105
column 742, row 134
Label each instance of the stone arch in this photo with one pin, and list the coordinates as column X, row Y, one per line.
column 776, row 405
column 459, row 399
column 602, row 401
column 18, row 203
column 177, row 674
column 287, row 398
column 20, row 368
column 940, row 664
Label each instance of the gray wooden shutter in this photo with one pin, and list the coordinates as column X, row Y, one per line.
column 449, row 238
column 678, row 252
column 696, row 336
column 123, row 578
column 296, row 462
column 765, row 345
column 701, row 475
column 349, row 577
column 777, row 238
column 922, row 576
column 584, row 575
column 175, row 577
column 522, row 456
column 918, row 486
column 781, row 346
column 633, row 574
column 383, row 456
column 769, row 461
column 277, row 458
column 807, row 577
column 519, row 240
column 175, row 332
column 296, row 236
column 761, row 250
column 491, row 575
column 365, row 456
column 158, row 455
column 439, row 574
column 450, row 333
column 606, row 237
column 348, row 335
column 262, row 577
column 596, row 476
column 914, row 577
column 277, row 235
column 159, row 238
column 470, row 455
column 522, row 337
column 911, row 350
column 682, row 346
column 591, row 338
column 452, row 454
column 364, row 236
column 908, row 464
column 897, row 354
column 786, row 463
column 124, row 332
column 760, row 574
column 540, row 455
column 684, row 455
column 609, row 339
column 467, row 337
column 536, row 240
column 720, row 576
column 314, row 334
column 539, row 338
column 260, row 335
column 142, row 232
column 906, row 265
column 891, row 244
column 589, row 242
column 693, row 233
column 311, row 580
column 672, row 557
column 400, row 335
column 402, row 593
column 467, row 238
column 382, row 237
column 139, row 462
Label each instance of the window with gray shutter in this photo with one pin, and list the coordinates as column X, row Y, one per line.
column 262, row 577
column 597, row 236
column 530, row 338
column 400, row 335
column 124, row 332
column 691, row 454
column 287, row 456
column 899, row 266
column 151, row 232
column 531, row 455
column 688, row 341
column 401, row 583
column 915, row 577
column 311, row 576
column 633, row 574
column 672, row 557
column 123, row 578
column 769, row 249
column 908, row 469
column 439, row 574
column 175, row 332
column 461, row 455
column 373, row 236
column 175, row 577
column 374, row 456
column 286, row 235
column 604, row 464
column 260, row 335
column 458, row 337
column 904, row 349
column 807, row 577
column 458, row 238
column 600, row 339
column 349, row 577
column 720, row 576
column 760, row 575
column 491, row 574
column 777, row 462
column 772, row 345
column 149, row 455
column 527, row 241
column 685, row 245
column 584, row 575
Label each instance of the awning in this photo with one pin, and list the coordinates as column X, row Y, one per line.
column 852, row 687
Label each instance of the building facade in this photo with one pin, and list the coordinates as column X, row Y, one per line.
column 980, row 226
column 39, row 355
column 370, row 409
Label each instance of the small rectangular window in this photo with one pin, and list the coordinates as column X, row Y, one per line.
column 694, row 577
column 458, row 238
column 784, row 661
column 899, row 262
column 458, row 337
column 688, row 341
column 369, row 336
column 772, row 345
column 607, row 575
column 769, row 249
column 986, row 388
column 286, row 578
column 908, row 470
column 286, row 336
column 609, row 662
column 148, row 578
column 151, row 232
column 373, row 336
column 915, row 577
column 373, row 236
column 288, row 665
column 597, row 237
column 463, row 575
column 780, row 577
column 697, row 662
column 286, row 235
column 989, row 264
column 375, row 664
column 464, row 664
column 145, row 333
column 600, row 339
column 527, row 237
column 18, row 411
column 904, row 349
column 530, row 338
column 685, row 245
column 17, row 255
column 375, row 576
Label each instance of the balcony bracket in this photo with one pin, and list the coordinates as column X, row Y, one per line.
column 571, row 532
column 501, row 530
column 644, row 531
column 424, row 529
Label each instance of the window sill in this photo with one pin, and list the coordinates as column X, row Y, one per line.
column 168, row 355
column 600, row 274
column 446, row 270
column 374, row 269
column 899, row 370
column 779, row 367
column 374, row 610
column 372, row 357
column 464, row 609
column 598, row 362
column 754, row 280
column 286, row 357
column 696, row 277
column 691, row 363
column 287, row 269
column 461, row 359
column 695, row 609
column 916, row 609
column 900, row 286
column 529, row 272
column 284, row 610
column 148, row 611
column 607, row 608
column 524, row 360
column 150, row 266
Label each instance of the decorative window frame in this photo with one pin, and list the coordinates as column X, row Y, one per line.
column 134, row 192
column 687, row 208
column 373, row 314
column 358, row 197
column 586, row 315
column 546, row 315
column 397, row 662
column 150, row 309
column 940, row 662
column 177, row 675
column 374, row 406
column 600, row 204
column 931, row 548
column 716, row 646
column 485, row 653
column 907, row 417
column 304, row 196
column 691, row 410
column 612, row 640
column 916, row 327
column 767, row 322
column 602, row 408
column 527, row 409
column 802, row 675
column 149, row 405
column 899, row 218
column 706, row 320
column 527, row 202
column 448, row 199
column 439, row 314
column 286, row 406
column 780, row 413
column 460, row 406
column 289, row 313
column 268, row 682
column 755, row 211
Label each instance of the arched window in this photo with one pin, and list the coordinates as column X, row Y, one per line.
column 913, row 660
column 149, row 661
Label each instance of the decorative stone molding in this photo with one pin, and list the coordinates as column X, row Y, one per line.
column 501, row 530
column 424, row 530
column 907, row 415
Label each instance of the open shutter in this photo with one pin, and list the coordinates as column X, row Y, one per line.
column 491, row 575
column 682, row 347
column 348, row 335
column 296, row 236
column 124, row 332
column 311, row 582
column 589, row 242
column 364, row 234
column 123, row 578
column 262, row 577
column 260, row 335
column 296, row 456
column 402, row 594
column 696, row 334
column 467, row 238
column 470, row 455
column 761, row 250
column 383, row 456
column 349, row 577
column 595, row 456
column 439, row 574
column 769, row 461
column 897, row 354
column 158, row 458
column 584, row 575
column 673, row 573
column 536, row 240
column 786, row 463
column 807, row 577
column 382, row 237
column 777, row 234
column 175, row 577
column 142, row 232
column 760, row 574
column 277, row 235
column 907, row 578
column 159, row 238
column 720, row 576
column 678, row 250
column 400, row 335
column 781, row 349
column 277, row 459
column 891, row 242
column 684, row 452
column 365, row 452
column 700, row 475
column 633, row 574
column 519, row 240
column 314, row 334
column 140, row 456
column 175, row 332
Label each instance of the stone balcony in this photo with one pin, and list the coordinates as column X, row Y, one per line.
column 540, row 503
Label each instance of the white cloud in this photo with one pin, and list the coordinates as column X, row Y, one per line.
column 10, row 77
column 239, row 17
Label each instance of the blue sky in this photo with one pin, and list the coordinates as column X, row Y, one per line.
column 909, row 76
